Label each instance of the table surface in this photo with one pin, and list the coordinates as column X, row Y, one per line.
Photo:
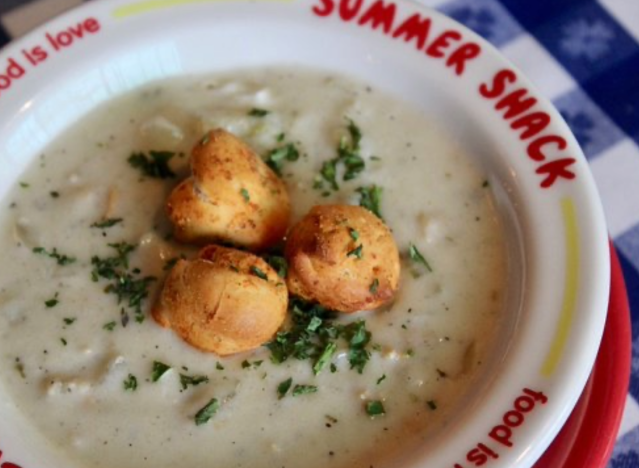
column 584, row 56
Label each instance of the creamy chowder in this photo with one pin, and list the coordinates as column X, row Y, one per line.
column 108, row 387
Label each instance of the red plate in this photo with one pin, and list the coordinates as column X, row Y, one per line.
column 588, row 437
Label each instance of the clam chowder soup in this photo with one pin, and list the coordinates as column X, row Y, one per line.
column 86, row 245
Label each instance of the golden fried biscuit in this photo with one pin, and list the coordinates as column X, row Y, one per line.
column 343, row 257
column 226, row 301
column 232, row 196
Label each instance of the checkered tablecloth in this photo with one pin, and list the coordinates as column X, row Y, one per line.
column 584, row 56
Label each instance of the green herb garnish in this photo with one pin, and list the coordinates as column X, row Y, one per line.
column 374, row 286
column 325, row 357
column 304, row 390
column 186, row 380
column 255, row 112
column 375, row 408
column 381, row 379
column 155, row 165
column 54, row 194
column 159, row 369
column 370, row 198
column 52, row 302
column 282, row 388
column 432, row 405
column 417, row 257
column 124, row 283
column 329, row 173
column 109, row 326
column 63, row 341
column 207, row 412
column 107, row 223
column 69, row 321
column 245, row 195
column 356, row 252
column 276, row 158
column 259, row 273
column 354, row 234
column 278, row 263
column 59, row 258
column 131, row 383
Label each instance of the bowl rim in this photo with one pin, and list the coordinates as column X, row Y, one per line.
column 578, row 208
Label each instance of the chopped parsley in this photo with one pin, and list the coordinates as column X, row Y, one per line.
column 131, row 383
column 417, row 257
column 370, row 198
column 155, row 165
column 381, row 379
column 278, row 263
column 207, row 412
column 354, row 234
column 219, row 366
column 54, row 194
column 69, row 321
column 276, row 158
column 186, row 380
column 374, row 286
column 259, row 273
column 255, row 112
column 159, row 369
column 356, row 252
column 109, row 326
column 314, row 336
column 432, row 405
column 255, row 364
column 283, row 388
column 245, row 195
column 375, row 408
column 304, row 390
column 63, row 341
column 107, row 223
column 348, row 155
column 58, row 257
column 325, row 357
column 24, row 185
column 124, row 282
column 52, row 302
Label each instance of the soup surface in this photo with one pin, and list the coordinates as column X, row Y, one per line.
column 81, row 358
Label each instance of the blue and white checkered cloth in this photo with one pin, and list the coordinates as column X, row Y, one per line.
column 584, row 56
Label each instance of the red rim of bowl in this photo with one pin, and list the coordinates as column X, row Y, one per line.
column 589, row 435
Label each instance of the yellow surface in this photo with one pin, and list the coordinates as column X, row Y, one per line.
column 150, row 5
column 572, row 261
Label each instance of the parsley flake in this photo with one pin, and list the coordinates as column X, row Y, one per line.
column 354, row 234
column 370, row 198
column 374, row 286
column 278, row 263
column 245, row 195
column 325, row 357
column 52, row 302
column 131, row 383
column 207, row 412
column 432, row 405
column 109, row 326
column 255, row 112
column 356, row 252
column 155, row 165
column 259, row 273
column 159, row 369
column 375, row 408
column 304, row 390
column 276, row 158
column 283, row 388
column 417, row 257
column 186, row 380
column 59, row 258
column 107, row 223
column 69, row 321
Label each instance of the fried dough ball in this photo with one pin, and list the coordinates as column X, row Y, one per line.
column 226, row 301
column 232, row 197
column 343, row 257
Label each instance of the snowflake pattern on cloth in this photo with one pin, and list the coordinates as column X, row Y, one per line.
column 587, row 39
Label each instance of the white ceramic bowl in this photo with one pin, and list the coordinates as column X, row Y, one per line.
column 557, row 236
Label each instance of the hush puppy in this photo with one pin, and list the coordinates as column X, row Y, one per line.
column 343, row 257
column 226, row 301
column 232, row 197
